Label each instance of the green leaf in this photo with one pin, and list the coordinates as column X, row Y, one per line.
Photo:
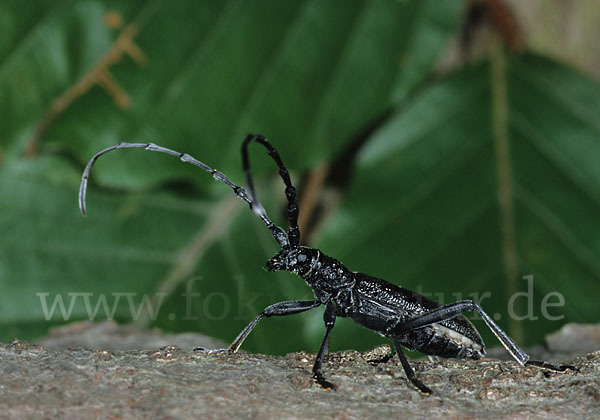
column 307, row 73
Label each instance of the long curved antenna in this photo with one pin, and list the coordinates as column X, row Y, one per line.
column 290, row 190
column 278, row 233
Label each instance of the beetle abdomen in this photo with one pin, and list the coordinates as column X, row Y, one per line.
column 438, row 340
column 391, row 305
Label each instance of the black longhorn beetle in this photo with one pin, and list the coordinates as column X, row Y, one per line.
column 410, row 320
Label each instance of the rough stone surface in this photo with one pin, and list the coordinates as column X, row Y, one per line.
column 109, row 335
column 575, row 338
column 171, row 382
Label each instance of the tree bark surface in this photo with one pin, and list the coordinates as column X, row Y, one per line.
column 38, row 381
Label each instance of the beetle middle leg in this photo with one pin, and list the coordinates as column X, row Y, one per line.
column 410, row 373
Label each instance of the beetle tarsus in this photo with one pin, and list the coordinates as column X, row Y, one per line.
column 421, row 387
column 211, row 351
column 323, row 383
column 546, row 365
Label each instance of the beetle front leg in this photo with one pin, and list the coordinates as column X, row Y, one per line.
column 277, row 309
column 329, row 318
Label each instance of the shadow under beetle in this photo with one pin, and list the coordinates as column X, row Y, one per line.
column 410, row 320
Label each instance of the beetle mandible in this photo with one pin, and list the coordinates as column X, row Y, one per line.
column 410, row 320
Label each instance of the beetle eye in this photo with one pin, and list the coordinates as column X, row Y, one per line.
column 301, row 257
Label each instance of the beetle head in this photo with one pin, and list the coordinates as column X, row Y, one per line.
column 299, row 260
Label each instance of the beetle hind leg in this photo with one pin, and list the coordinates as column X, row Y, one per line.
column 410, row 373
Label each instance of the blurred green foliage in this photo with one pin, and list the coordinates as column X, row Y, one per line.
column 420, row 208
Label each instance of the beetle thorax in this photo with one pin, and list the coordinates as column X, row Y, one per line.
column 325, row 275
